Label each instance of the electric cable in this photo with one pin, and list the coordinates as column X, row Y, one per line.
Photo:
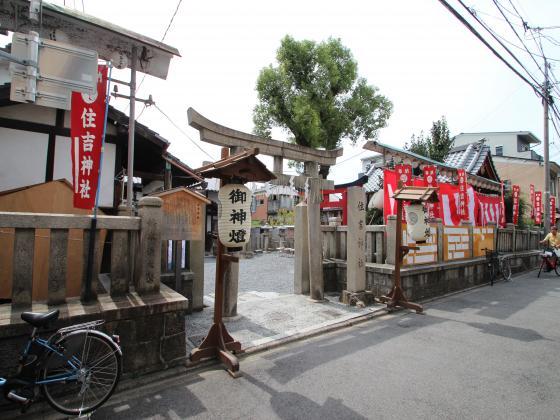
column 182, row 131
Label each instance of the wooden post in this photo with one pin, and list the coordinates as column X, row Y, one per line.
column 58, row 266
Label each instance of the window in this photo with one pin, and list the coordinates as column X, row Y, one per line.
column 499, row 150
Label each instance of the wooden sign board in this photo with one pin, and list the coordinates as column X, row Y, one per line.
column 183, row 214
column 483, row 237
column 428, row 252
column 456, row 243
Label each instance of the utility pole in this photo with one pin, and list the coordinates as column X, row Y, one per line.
column 131, row 121
column 546, row 154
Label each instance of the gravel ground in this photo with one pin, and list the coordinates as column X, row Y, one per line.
column 273, row 272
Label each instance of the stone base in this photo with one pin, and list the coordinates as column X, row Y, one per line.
column 185, row 285
column 151, row 328
column 359, row 299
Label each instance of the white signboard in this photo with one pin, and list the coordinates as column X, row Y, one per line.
column 234, row 215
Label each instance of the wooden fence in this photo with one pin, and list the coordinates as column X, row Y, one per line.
column 135, row 248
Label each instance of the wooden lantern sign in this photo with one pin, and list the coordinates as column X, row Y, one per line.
column 234, row 215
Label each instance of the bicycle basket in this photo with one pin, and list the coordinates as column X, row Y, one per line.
column 491, row 254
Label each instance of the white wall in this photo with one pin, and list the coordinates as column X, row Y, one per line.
column 63, row 168
column 22, row 158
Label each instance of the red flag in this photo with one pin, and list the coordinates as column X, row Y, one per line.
column 538, row 207
column 404, row 174
column 86, row 131
column 515, row 193
column 463, row 197
column 532, row 198
column 430, row 177
column 552, row 210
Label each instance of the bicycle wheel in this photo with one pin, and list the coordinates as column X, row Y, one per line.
column 99, row 364
column 506, row 269
column 557, row 268
column 490, row 272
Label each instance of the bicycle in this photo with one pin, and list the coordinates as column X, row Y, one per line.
column 549, row 259
column 497, row 264
column 77, row 368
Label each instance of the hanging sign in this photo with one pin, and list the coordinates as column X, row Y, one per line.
column 404, row 175
column 502, row 208
column 430, row 180
column 532, row 198
column 234, row 215
column 463, row 197
column 515, row 194
column 86, row 131
column 552, row 210
column 538, row 206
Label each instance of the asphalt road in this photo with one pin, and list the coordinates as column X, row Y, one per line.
column 491, row 353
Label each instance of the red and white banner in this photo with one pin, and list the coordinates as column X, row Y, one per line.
column 538, row 207
column 404, row 173
column 463, row 198
column 489, row 207
column 532, row 198
column 430, row 176
column 430, row 180
column 481, row 209
column 552, row 210
column 86, row 130
column 515, row 195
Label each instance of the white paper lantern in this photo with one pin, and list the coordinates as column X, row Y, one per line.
column 376, row 201
column 234, row 215
column 416, row 226
column 119, row 59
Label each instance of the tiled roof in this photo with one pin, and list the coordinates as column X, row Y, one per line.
column 470, row 157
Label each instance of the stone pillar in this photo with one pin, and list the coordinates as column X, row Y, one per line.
column 301, row 251
column 149, row 255
column 196, row 256
column 391, row 228
column 314, row 236
column 120, row 259
column 469, row 225
column 439, row 223
column 231, row 287
column 355, row 255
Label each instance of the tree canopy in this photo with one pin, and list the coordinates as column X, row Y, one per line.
column 436, row 145
column 315, row 94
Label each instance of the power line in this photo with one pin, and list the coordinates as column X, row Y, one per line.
column 183, row 132
column 349, row 158
column 499, row 41
column 477, row 34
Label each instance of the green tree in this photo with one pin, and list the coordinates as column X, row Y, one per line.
column 436, row 145
column 315, row 94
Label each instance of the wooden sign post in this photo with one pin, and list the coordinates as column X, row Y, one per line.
column 234, row 230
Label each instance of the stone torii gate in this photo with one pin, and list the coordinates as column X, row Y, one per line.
column 308, row 276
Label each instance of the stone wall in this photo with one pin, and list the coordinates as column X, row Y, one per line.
column 426, row 281
column 151, row 329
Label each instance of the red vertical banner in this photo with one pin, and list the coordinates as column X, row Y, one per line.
column 86, row 131
column 515, row 194
column 538, row 206
column 430, row 177
column 430, row 180
column 463, row 197
column 404, row 174
column 552, row 210
column 532, row 199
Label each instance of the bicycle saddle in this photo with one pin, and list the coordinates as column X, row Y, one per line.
column 40, row 319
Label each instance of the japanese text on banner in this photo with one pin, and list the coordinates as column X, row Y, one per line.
column 515, row 193
column 538, row 207
column 463, row 197
column 86, row 131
